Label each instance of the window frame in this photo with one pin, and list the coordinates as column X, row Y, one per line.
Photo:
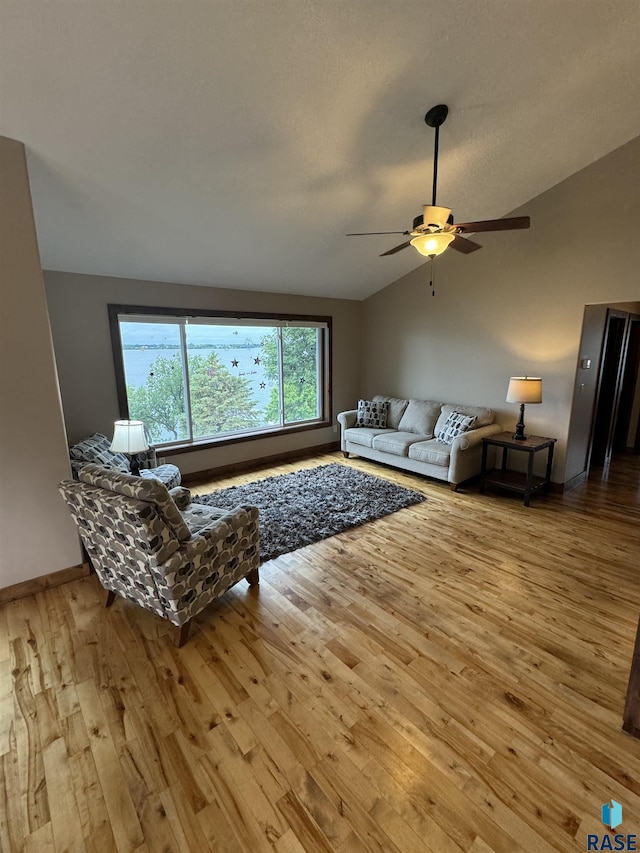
column 116, row 311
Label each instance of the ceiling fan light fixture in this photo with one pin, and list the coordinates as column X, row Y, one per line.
column 431, row 245
column 437, row 216
column 434, row 229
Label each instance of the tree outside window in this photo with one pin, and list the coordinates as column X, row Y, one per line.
column 210, row 380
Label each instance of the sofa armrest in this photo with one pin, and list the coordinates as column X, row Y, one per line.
column 466, row 453
column 473, row 437
column 348, row 419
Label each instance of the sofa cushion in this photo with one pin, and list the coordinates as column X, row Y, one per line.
column 363, row 435
column 395, row 442
column 483, row 416
column 396, row 409
column 420, row 416
column 454, row 426
column 95, row 449
column 433, row 451
column 372, row 414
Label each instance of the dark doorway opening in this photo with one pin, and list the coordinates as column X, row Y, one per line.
column 617, row 387
column 623, row 441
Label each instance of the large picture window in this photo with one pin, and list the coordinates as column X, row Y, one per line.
column 194, row 378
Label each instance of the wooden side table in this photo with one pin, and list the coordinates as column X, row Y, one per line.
column 525, row 483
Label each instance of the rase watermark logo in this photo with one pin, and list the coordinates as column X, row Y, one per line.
column 611, row 816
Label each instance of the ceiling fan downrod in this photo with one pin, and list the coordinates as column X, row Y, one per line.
column 434, row 118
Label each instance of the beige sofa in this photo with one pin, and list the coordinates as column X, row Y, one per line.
column 409, row 442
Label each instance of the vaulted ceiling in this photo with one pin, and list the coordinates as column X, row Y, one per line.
column 235, row 143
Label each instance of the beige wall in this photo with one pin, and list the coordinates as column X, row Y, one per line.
column 78, row 311
column 515, row 307
column 37, row 534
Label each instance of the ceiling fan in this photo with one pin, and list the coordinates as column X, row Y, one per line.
column 434, row 230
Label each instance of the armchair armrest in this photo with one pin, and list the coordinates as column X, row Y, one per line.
column 348, row 419
column 76, row 465
column 208, row 564
column 181, row 496
column 238, row 520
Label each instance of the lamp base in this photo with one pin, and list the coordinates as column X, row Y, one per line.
column 134, row 464
column 519, row 433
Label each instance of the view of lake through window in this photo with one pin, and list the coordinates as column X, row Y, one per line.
column 189, row 381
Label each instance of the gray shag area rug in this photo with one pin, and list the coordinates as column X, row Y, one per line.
column 315, row 503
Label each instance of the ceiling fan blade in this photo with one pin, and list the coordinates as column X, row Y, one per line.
column 371, row 233
column 397, row 248
column 511, row 224
column 464, row 245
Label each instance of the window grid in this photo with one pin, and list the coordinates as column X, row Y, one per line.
column 185, row 379
column 322, row 352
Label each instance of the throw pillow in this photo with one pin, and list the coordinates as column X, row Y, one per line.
column 372, row 414
column 395, row 411
column 455, row 425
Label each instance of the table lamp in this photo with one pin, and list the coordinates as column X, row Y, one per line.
column 523, row 389
column 129, row 437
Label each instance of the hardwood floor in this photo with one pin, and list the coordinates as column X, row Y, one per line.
column 449, row 678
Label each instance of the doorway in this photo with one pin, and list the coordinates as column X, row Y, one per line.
column 626, row 436
column 616, row 403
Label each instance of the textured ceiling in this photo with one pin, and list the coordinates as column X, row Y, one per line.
column 234, row 143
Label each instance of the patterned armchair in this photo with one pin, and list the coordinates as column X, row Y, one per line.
column 96, row 449
column 144, row 548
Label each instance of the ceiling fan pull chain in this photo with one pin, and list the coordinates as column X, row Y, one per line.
column 432, row 278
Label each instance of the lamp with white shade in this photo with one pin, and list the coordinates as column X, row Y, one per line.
column 523, row 389
column 130, row 437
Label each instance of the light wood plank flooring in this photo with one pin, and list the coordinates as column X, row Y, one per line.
column 449, row 678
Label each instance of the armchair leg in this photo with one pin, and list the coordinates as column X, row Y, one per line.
column 345, row 453
column 108, row 597
column 453, row 487
column 253, row 578
column 181, row 634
